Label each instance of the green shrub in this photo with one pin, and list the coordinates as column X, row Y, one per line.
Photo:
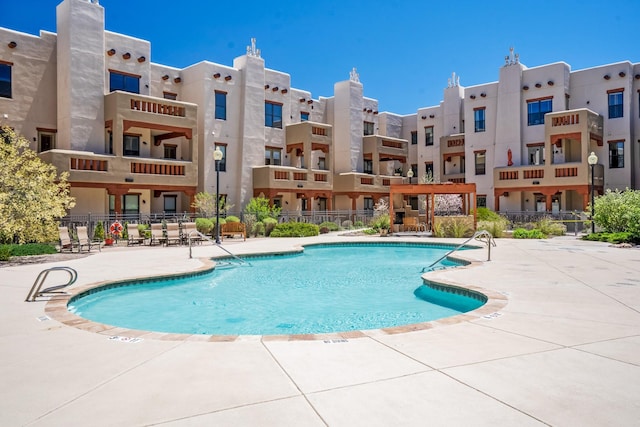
column 486, row 214
column 619, row 237
column 617, row 211
column 496, row 228
column 125, row 234
column 331, row 226
column 453, row 226
column 381, row 222
column 295, row 229
column 550, row 228
column 144, row 230
column 370, row 231
column 204, row 225
column 232, row 218
column 98, row 231
column 269, row 225
column 258, row 229
column 5, row 252
column 347, row 224
column 27, row 249
column 521, row 233
column 358, row 224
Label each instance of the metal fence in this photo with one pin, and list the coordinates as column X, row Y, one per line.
column 575, row 221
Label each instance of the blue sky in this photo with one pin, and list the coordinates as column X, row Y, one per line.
column 404, row 51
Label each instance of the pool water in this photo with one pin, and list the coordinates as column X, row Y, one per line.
column 327, row 288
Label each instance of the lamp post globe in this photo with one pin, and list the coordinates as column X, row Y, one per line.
column 217, row 156
column 410, row 175
column 592, row 160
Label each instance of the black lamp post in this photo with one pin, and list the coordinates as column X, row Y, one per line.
column 592, row 160
column 217, row 156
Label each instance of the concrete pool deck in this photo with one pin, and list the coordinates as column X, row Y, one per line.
column 564, row 350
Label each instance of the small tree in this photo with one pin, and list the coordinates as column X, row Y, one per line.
column 205, row 203
column 260, row 208
column 32, row 194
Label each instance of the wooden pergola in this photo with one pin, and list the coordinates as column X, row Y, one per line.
column 467, row 191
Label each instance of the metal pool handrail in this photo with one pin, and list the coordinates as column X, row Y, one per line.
column 478, row 235
column 213, row 243
column 35, row 290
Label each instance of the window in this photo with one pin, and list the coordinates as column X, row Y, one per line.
column 480, row 162
column 616, row 154
column 131, row 204
column 5, row 79
column 170, row 204
column 368, row 128
column 46, row 140
column 478, row 119
column 429, row 171
column 322, row 163
column 481, row 201
column 536, row 110
column 131, row 145
column 272, row 156
column 221, row 106
column 170, row 151
column 304, row 117
column 414, row 138
column 273, row 115
column 222, row 164
column 368, row 204
column 170, row 95
column 615, row 103
column 428, row 135
column 414, row 169
column 124, row 82
column 368, row 166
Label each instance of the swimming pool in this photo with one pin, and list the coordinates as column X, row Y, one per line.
column 326, row 288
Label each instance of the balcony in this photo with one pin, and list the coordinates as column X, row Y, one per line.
column 384, row 148
column 364, row 183
column 565, row 174
column 290, row 178
column 84, row 166
column 319, row 135
column 135, row 110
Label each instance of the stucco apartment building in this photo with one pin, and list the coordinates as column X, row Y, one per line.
column 138, row 137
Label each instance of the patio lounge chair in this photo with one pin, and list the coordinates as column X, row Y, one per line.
column 85, row 242
column 66, row 244
column 173, row 234
column 157, row 235
column 188, row 229
column 134, row 235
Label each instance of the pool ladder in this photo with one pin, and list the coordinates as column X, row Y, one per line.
column 36, row 290
column 482, row 235
column 242, row 261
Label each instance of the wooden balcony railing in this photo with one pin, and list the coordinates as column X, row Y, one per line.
column 508, row 175
column 533, row 174
column 566, row 172
column 320, row 177
column 366, row 181
column 157, row 169
column 88, row 164
column 157, row 107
